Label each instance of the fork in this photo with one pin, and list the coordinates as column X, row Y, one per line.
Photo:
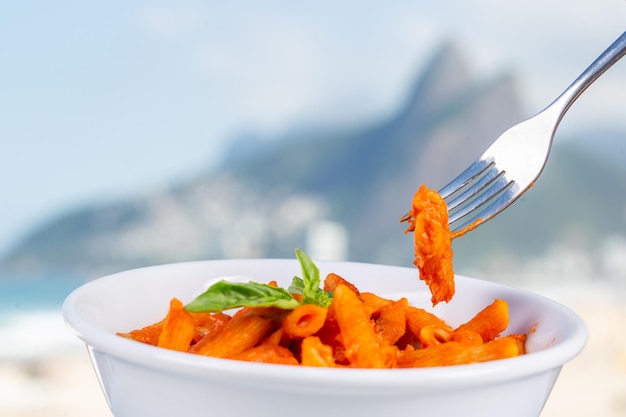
column 510, row 166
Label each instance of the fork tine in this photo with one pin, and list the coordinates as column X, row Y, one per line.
column 494, row 188
column 474, row 170
column 473, row 188
column 499, row 201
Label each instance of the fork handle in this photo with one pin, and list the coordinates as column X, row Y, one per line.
column 609, row 57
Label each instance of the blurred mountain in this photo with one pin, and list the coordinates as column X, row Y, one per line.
column 608, row 144
column 271, row 195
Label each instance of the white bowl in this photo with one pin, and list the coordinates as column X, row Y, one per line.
column 142, row 380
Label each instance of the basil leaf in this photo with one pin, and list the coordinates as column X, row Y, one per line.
column 297, row 286
column 310, row 285
column 310, row 276
column 225, row 295
column 322, row 298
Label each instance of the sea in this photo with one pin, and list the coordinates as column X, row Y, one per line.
column 31, row 322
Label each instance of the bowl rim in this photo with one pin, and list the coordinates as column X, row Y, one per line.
column 100, row 340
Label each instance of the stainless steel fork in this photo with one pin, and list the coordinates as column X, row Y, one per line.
column 515, row 160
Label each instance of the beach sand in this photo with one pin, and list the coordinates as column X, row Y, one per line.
column 60, row 386
column 593, row 384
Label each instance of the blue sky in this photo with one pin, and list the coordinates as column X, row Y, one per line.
column 99, row 100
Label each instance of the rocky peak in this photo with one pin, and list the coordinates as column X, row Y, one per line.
column 262, row 205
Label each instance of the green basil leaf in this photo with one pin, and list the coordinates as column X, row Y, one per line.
column 225, row 295
column 322, row 298
column 297, row 286
column 310, row 285
column 310, row 277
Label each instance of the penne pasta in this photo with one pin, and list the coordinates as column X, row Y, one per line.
column 206, row 323
column 466, row 337
column 178, row 328
column 362, row 347
column 418, row 318
column 277, row 338
column 304, row 320
column 454, row 353
column 266, row 354
column 390, row 325
column 245, row 330
column 332, row 280
column 373, row 302
column 315, row 353
column 490, row 322
column 433, row 335
column 148, row 335
column 432, row 243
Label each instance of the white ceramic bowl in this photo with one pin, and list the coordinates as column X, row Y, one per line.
column 142, row 380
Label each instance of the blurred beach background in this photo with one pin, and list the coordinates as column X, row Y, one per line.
column 139, row 133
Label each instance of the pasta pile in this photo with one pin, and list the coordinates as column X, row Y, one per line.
column 338, row 326
column 357, row 330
